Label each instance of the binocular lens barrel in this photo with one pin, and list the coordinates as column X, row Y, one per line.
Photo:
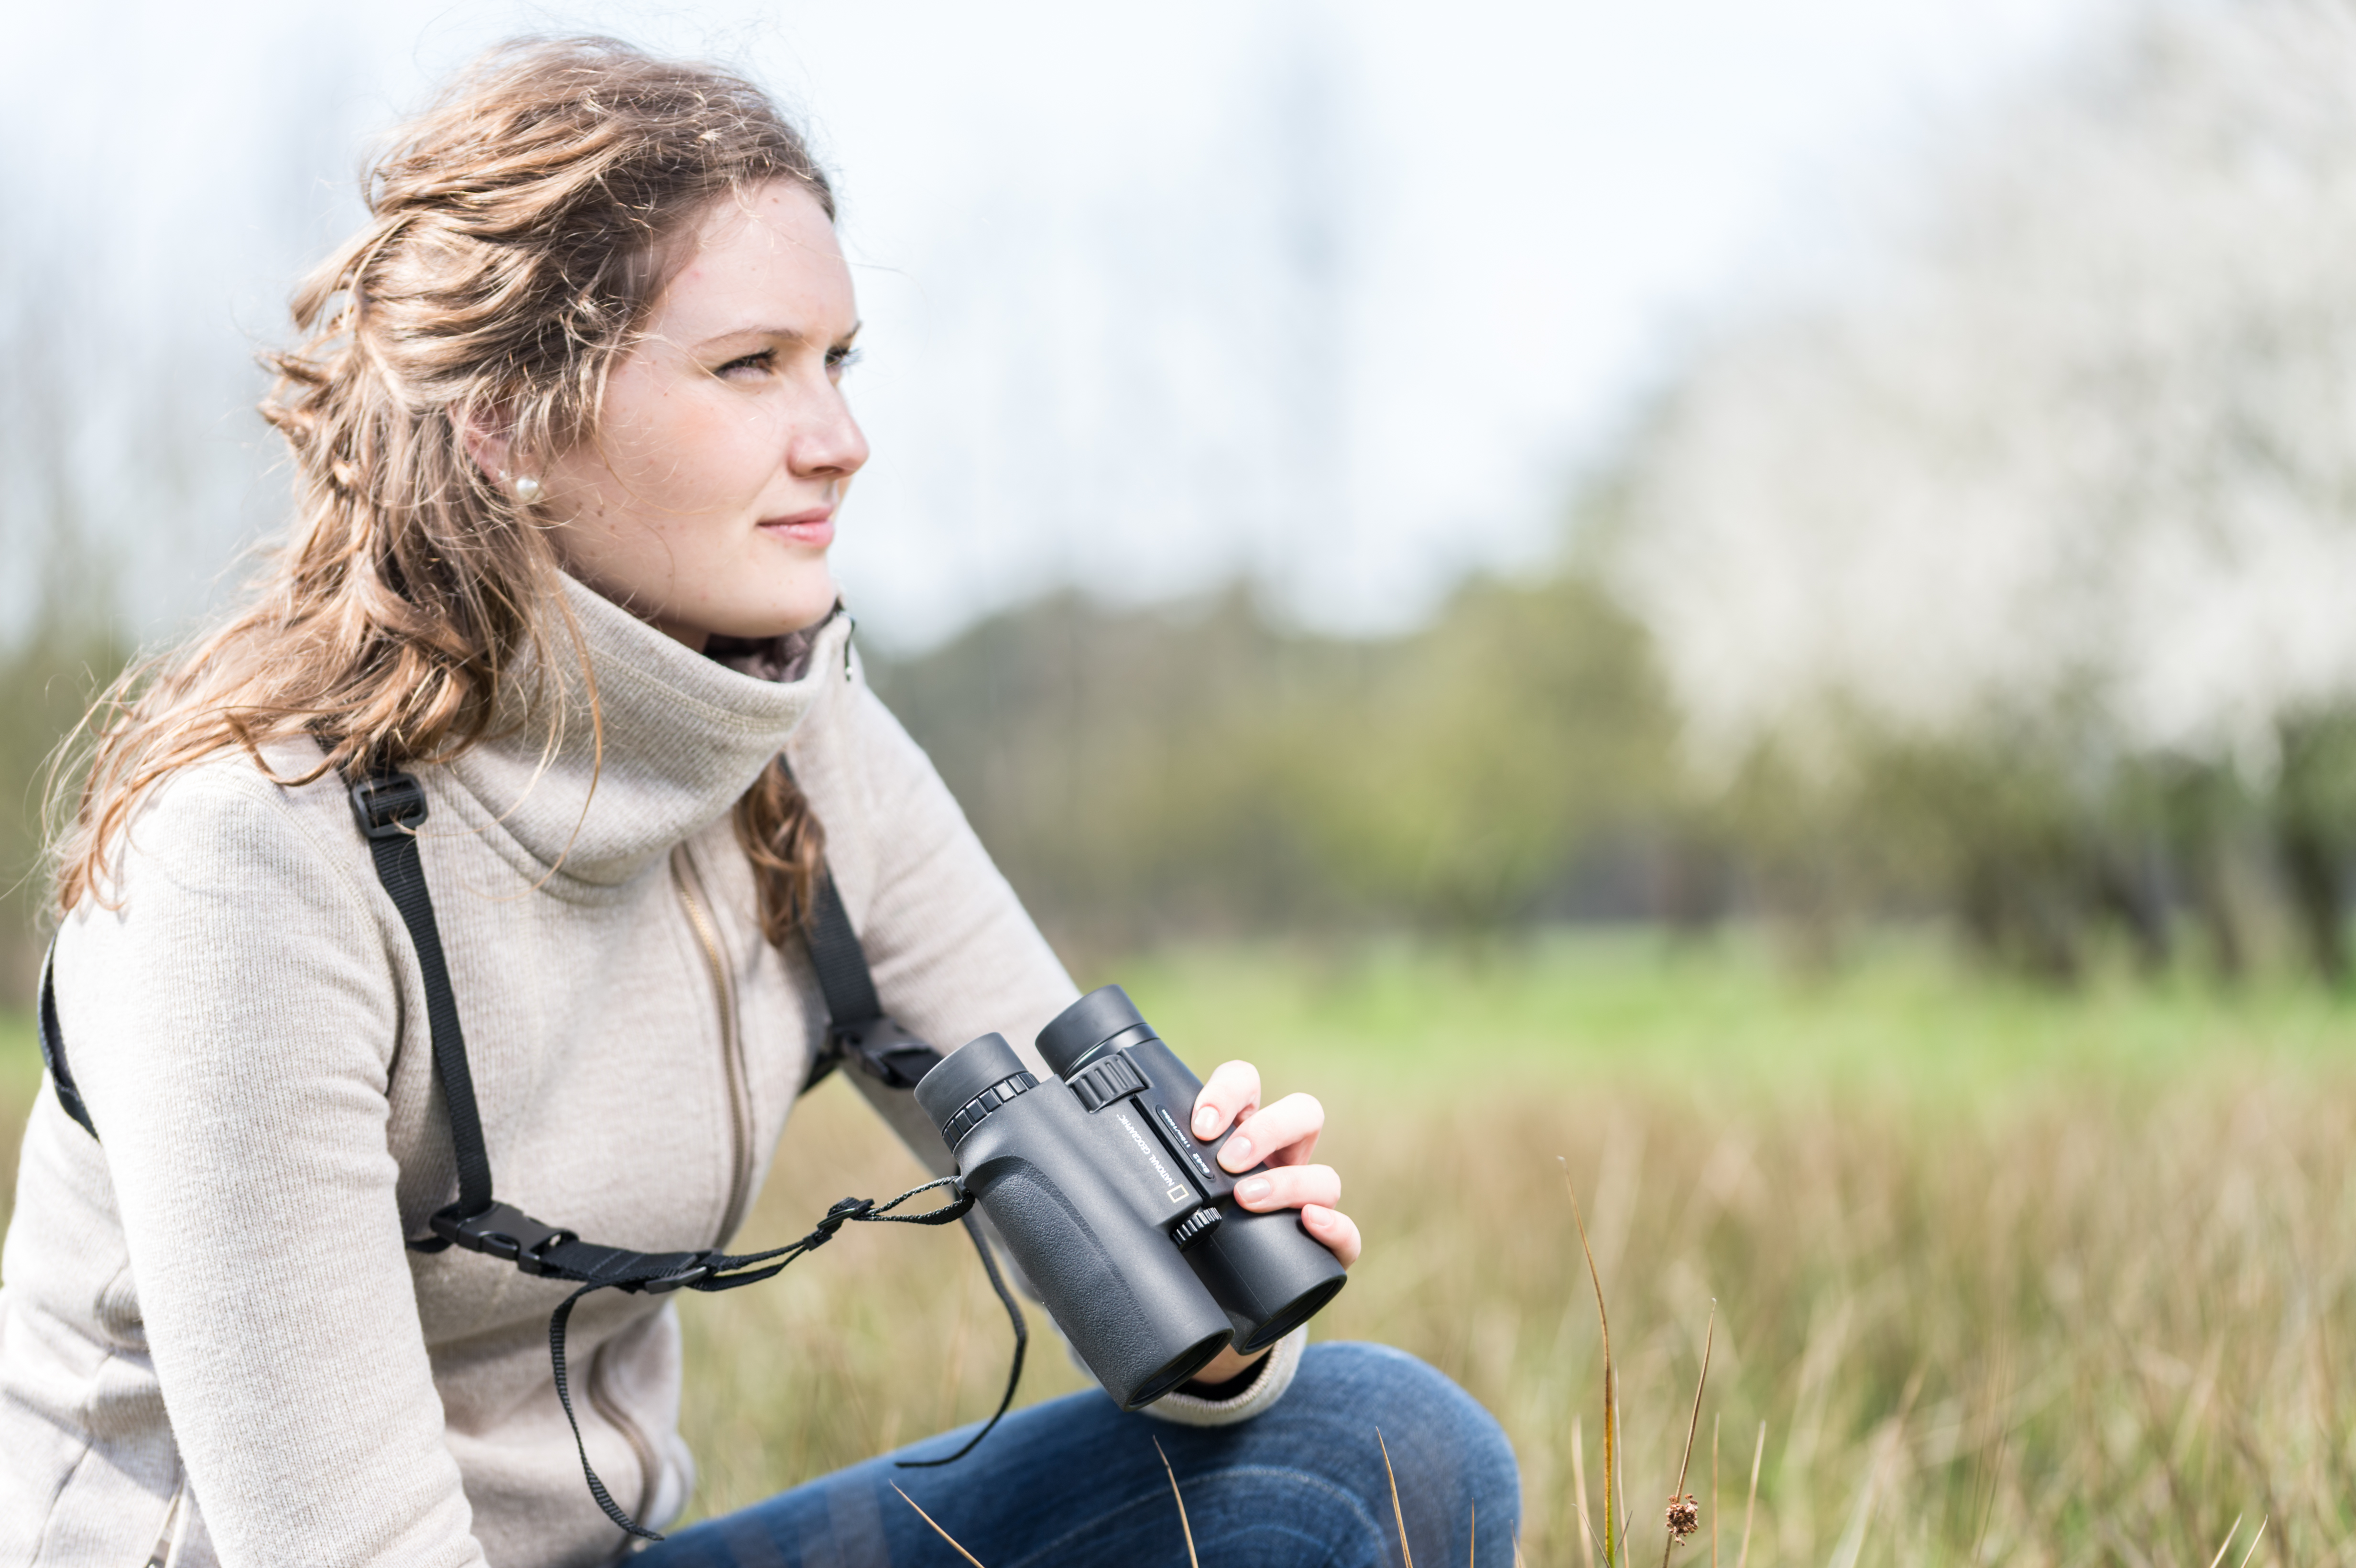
column 1085, row 1221
column 1122, row 1219
column 1098, row 1018
column 1257, row 1267
column 969, row 1084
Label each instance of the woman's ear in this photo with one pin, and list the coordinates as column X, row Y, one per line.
column 485, row 432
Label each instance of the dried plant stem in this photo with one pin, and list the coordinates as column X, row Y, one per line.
column 1610, row 1382
column 2223, row 1545
column 1579, row 1479
column 1759, row 1452
column 1619, row 1436
column 1397, row 1517
column 1995, row 1481
column 1192, row 1561
column 1708, row 1342
column 944, row 1534
column 2252, row 1552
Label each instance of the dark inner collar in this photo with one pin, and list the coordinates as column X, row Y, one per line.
column 780, row 658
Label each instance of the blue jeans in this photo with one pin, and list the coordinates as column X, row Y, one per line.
column 1076, row 1481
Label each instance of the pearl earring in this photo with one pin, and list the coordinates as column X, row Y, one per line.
column 527, row 489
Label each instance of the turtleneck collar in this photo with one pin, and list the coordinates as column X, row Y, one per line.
column 684, row 736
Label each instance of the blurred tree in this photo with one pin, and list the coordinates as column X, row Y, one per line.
column 2042, row 523
column 1523, row 728
column 2315, row 832
column 1159, row 771
column 1131, row 770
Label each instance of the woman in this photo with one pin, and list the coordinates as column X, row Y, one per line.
column 570, row 443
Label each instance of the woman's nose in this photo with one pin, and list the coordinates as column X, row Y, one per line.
column 830, row 444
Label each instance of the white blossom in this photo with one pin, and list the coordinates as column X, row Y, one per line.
column 2081, row 448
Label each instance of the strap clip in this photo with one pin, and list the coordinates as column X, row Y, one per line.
column 886, row 1052
column 388, row 805
column 701, row 1266
column 503, row 1232
column 845, row 1209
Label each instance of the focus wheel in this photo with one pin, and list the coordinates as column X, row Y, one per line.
column 1195, row 1227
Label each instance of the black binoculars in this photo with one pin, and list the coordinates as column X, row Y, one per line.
column 1121, row 1216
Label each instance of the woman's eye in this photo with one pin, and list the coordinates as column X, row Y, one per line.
column 839, row 360
column 759, row 362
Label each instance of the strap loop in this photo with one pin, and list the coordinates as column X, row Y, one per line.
column 660, row 1273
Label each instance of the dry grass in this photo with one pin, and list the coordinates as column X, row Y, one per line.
column 2091, row 1330
column 2079, row 1292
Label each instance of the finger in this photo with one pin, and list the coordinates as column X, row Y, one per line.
column 1233, row 1089
column 1290, row 1187
column 1334, row 1229
column 1281, row 1134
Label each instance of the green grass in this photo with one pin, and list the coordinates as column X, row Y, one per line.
column 1637, row 1010
column 2009, row 1274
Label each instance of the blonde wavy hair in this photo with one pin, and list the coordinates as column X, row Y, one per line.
column 520, row 232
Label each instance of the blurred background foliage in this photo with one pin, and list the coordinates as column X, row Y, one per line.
column 1195, row 770
column 2006, row 583
column 1997, row 577
column 2001, row 581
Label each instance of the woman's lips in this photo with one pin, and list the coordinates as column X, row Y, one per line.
column 813, row 529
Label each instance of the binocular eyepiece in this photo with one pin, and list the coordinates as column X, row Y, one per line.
column 1119, row 1215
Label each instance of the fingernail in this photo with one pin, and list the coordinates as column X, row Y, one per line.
column 1321, row 1218
column 1237, row 1147
column 1252, row 1191
column 1207, row 1122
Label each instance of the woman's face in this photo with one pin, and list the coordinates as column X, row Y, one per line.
column 706, row 501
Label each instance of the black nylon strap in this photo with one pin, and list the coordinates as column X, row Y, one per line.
column 857, row 1030
column 839, row 961
column 390, row 808
column 53, row 1047
column 1022, row 1344
column 658, row 1274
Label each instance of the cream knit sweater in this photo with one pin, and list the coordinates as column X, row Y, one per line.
column 215, row 1305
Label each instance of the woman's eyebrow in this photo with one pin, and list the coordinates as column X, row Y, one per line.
column 798, row 337
column 793, row 335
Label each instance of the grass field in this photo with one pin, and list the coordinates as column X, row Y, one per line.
column 2005, row 1275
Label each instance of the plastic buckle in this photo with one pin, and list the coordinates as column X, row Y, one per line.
column 389, row 806
column 886, row 1053
column 704, row 1267
column 503, row 1232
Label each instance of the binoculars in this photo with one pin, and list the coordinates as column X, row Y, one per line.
column 1122, row 1219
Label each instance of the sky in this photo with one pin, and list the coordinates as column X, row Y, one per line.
column 1344, row 298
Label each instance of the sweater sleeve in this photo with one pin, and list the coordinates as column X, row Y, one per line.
column 956, row 955
column 233, row 1027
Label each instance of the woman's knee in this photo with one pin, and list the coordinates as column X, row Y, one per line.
column 1450, row 1459
column 1414, row 1397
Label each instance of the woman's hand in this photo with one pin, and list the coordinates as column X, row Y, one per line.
column 1284, row 1136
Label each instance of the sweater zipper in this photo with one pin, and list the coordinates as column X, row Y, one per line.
column 167, row 1551
column 602, row 1400
column 732, row 1046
